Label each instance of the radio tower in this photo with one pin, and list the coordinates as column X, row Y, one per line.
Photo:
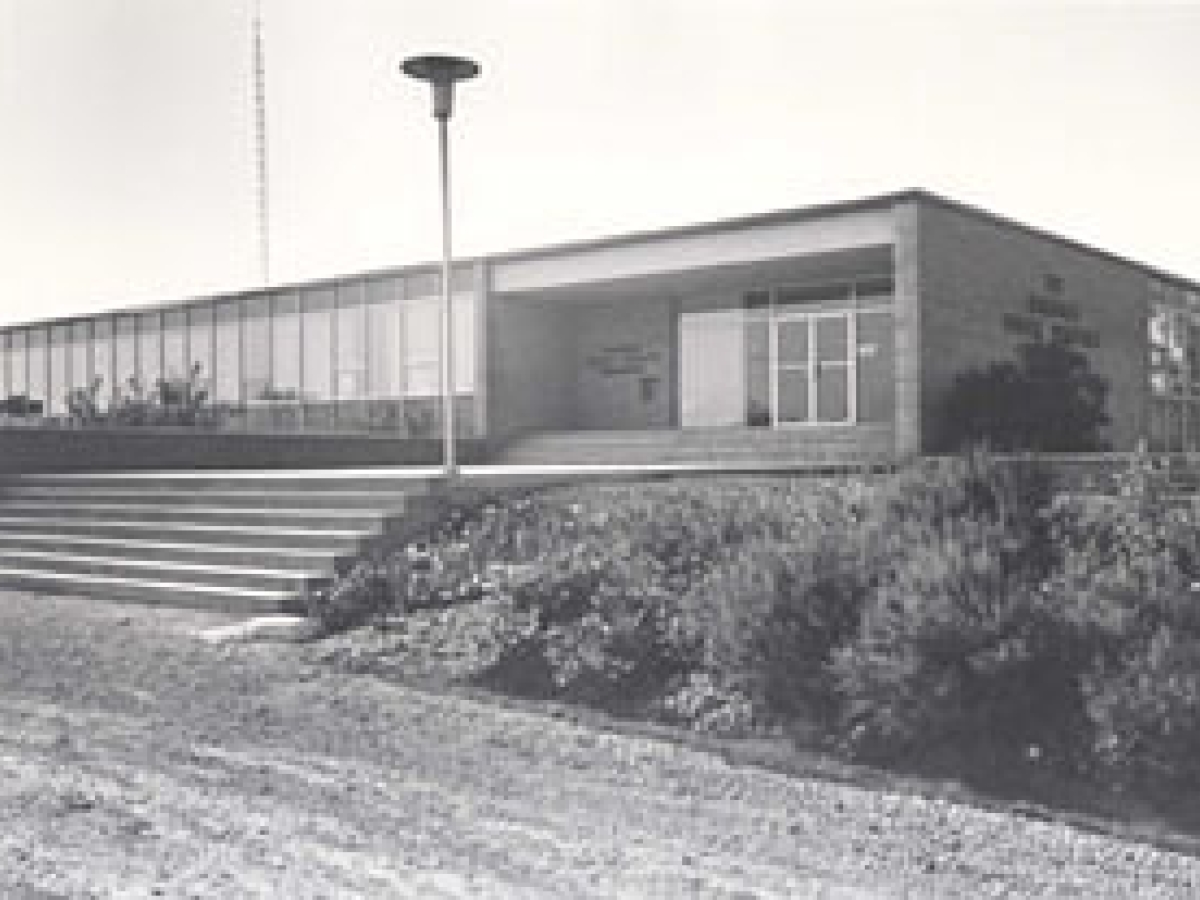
column 260, row 146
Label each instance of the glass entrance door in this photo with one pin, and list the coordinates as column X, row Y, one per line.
column 813, row 369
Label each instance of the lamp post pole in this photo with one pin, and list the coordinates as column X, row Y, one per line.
column 442, row 72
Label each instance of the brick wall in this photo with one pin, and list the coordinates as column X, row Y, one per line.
column 983, row 281
column 531, row 365
column 30, row 449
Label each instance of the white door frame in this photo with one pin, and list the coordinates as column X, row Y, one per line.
column 812, row 367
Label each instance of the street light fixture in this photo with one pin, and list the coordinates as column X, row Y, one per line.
column 442, row 72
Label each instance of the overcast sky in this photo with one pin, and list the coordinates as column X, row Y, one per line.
column 127, row 150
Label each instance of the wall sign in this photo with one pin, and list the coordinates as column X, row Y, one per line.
column 626, row 359
column 1050, row 316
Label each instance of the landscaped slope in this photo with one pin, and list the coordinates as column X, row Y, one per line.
column 962, row 613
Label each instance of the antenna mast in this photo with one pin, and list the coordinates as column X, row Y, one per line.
column 260, row 145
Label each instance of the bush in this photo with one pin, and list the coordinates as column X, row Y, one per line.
column 955, row 642
column 361, row 595
column 1146, row 710
column 1130, row 569
column 711, row 703
column 601, row 568
column 958, row 604
column 170, row 401
column 1048, row 400
column 656, row 583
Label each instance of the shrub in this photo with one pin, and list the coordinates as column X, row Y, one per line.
column 955, row 642
column 1130, row 569
column 602, row 570
column 1146, row 709
column 1048, row 400
column 83, row 404
column 711, row 703
column 360, row 595
column 652, row 584
column 170, row 401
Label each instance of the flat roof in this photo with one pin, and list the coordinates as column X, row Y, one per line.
column 775, row 217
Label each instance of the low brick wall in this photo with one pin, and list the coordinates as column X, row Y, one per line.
column 32, row 449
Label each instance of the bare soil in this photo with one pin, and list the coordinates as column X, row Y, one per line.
column 138, row 761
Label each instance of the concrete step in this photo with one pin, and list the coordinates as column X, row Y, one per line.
column 284, row 558
column 788, row 455
column 335, row 539
column 715, row 446
column 248, row 541
column 213, row 515
column 389, row 480
column 230, row 576
column 154, row 592
column 257, row 498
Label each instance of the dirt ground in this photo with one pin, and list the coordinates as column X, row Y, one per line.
column 139, row 761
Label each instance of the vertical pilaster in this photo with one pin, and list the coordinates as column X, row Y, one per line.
column 483, row 296
column 907, row 318
column 672, row 368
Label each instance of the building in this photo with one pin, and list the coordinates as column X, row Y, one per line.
column 831, row 333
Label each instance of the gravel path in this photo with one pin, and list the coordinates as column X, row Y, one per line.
column 137, row 761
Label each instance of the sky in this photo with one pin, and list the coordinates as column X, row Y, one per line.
column 127, row 154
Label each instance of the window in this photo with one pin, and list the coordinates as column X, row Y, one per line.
column 60, row 370
column 876, row 367
column 79, row 362
column 818, row 295
column 126, row 354
column 102, row 359
column 285, row 346
column 256, row 350
column 200, row 342
column 4, row 361
column 422, row 341
column 384, row 299
column 317, row 337
column 871, row 292
column 350, row 380
column 18, row 385
column 38, row 361
column 149, row 342
column 758, row 371
column 1173, row 335
column 175, row 354
column 227, row 343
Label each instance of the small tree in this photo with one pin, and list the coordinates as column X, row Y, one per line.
column 1048, row 400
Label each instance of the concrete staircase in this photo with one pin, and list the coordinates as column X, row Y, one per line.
column 714, row 448
column 238, row 541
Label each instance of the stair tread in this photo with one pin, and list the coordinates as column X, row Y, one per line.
column 198, row 526
column 206, row 510
column 134, row 543
column 398, row 473
column 145, row 583
column 230, row 569
column 15, row 491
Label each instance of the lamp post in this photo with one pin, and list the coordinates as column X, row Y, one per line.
column 442, row 72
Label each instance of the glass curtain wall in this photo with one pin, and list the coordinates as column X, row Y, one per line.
column 1174, row 339
column 359, row 355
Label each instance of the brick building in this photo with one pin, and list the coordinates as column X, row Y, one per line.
column 831, row 333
